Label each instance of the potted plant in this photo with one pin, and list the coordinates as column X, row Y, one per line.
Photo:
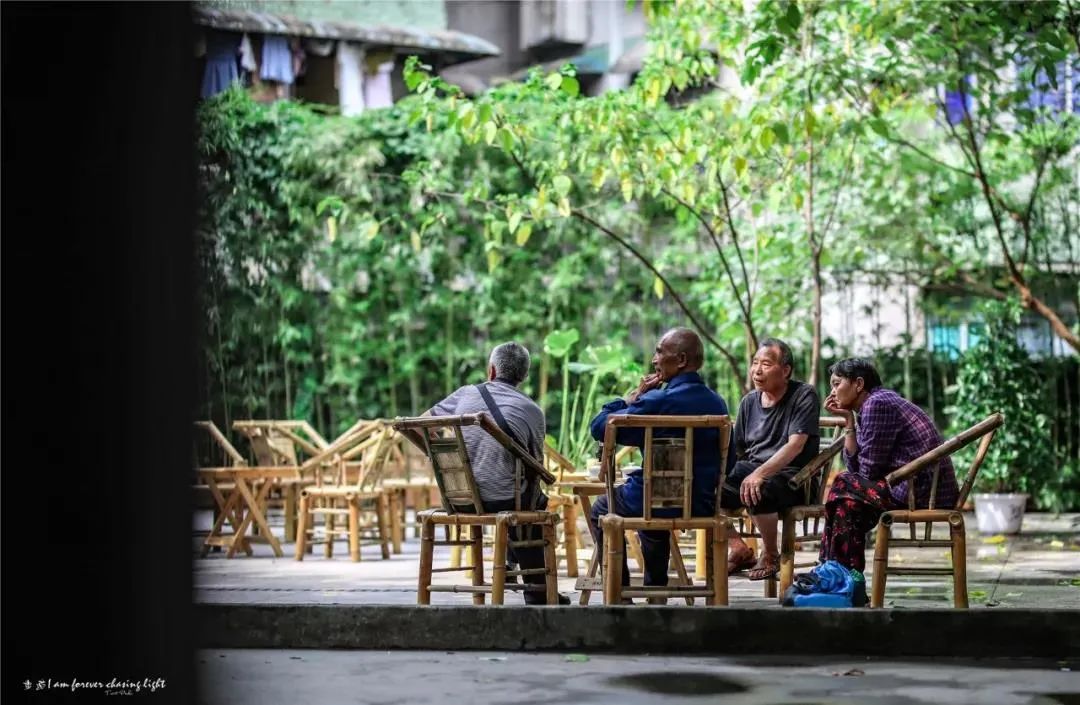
column 997, row 374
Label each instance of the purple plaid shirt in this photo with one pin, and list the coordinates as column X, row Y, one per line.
column 891, row 433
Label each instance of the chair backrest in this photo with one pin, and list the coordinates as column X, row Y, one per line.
column 984, row 430
column 821, row 463
column 450, row 459
column 234, row 456
column 668, row 462
column 560, row 465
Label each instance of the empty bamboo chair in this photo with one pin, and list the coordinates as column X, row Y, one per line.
column 953, row 516
column 362, row 500
column 668, row 476
column 462, row 506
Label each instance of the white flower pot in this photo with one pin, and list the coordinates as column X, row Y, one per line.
column 999, row 513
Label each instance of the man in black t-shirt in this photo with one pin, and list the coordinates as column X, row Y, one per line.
column 776, row 434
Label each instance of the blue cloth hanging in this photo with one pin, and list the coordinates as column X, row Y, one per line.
column 221, row 71
column 277, row 60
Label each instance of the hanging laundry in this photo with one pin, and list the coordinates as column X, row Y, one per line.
column 350, row 78
column 277, row 61
column 221, row 71
column 378, row 92
column 247, row 55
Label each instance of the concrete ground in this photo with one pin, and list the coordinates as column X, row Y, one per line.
column 269, row 677
column 1038, row 568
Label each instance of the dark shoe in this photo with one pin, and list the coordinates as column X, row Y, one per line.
column 538, row 598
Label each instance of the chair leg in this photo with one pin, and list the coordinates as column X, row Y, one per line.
column 396, row 523
column 614, row 546
column 959, row 560
column 477, row 548
column 701, row 548
column 498, row 562
column 570, row 535
column 383, row 518
column 290, row 512
column 354, row 529
column 329, row 549
column 719, row 565
column 680, row 566
column 881, row 563
column 302, row 520
column 427, row 553
column 787, row 554
column 551, row 577
column 454, row 534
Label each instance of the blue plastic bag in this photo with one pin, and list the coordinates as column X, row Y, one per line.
column 827, row 585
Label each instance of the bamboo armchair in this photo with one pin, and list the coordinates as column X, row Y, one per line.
column 667, row 472
column 361, row 499
column 462, row 506
column 953, row 516
column 813, row 507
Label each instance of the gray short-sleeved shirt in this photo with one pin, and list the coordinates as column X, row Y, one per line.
column 493, row 465
column 761, row 432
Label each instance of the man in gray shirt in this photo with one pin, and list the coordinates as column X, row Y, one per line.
column 776, row 433
column 492, row 464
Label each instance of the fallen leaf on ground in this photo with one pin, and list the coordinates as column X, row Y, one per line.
column 996, row 538
column 1057, row 544
column 852, row 672
column 577, row 658
column 492, row 658
column 1014, row 594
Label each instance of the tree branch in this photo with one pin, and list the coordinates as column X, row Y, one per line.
column 584, row 217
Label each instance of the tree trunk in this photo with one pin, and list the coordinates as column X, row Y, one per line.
column 815, row 345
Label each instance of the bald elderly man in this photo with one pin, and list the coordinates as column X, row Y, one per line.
column 678, row 357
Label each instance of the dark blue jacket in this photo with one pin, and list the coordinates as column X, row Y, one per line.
column 685, row 395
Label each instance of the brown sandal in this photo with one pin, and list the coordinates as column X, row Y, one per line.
column 766, row 568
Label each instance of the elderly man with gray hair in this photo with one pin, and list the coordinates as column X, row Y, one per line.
column 493, row 466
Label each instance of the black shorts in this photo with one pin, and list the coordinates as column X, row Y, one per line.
column 776, row 496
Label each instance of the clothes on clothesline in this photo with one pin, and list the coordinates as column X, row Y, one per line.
column 221, row 70
column 277, row 60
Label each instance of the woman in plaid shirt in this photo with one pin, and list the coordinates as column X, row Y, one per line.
column 891, row 432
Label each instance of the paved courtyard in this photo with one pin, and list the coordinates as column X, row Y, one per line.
column 1038, row 568
column 269, row 677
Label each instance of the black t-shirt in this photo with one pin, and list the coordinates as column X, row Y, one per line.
column 761, row 432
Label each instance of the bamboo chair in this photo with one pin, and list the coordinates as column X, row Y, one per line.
column 953, row 517
column 560, row 500
column 813, row 507
column 362, row 500
column 235, row 459
column 462, row 506
column 667, row 472
column 410, row 484
column 282, row 443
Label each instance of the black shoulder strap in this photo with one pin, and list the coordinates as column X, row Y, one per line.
column 500, row 420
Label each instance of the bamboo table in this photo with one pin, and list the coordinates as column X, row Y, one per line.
column 241, row 506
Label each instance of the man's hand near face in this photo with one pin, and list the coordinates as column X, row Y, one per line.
column 648, row 383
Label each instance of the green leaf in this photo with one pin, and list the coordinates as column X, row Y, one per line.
column 557, row 343
column 570, row 86
column 879, row 126
column 658, row 287
column 554, row 81
column 506, row 139
column 414, row 238
column 512, row 220
column 523, row 233
column 740, row 165
column 562, row 184
column 490, row 128
column 576, row 658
